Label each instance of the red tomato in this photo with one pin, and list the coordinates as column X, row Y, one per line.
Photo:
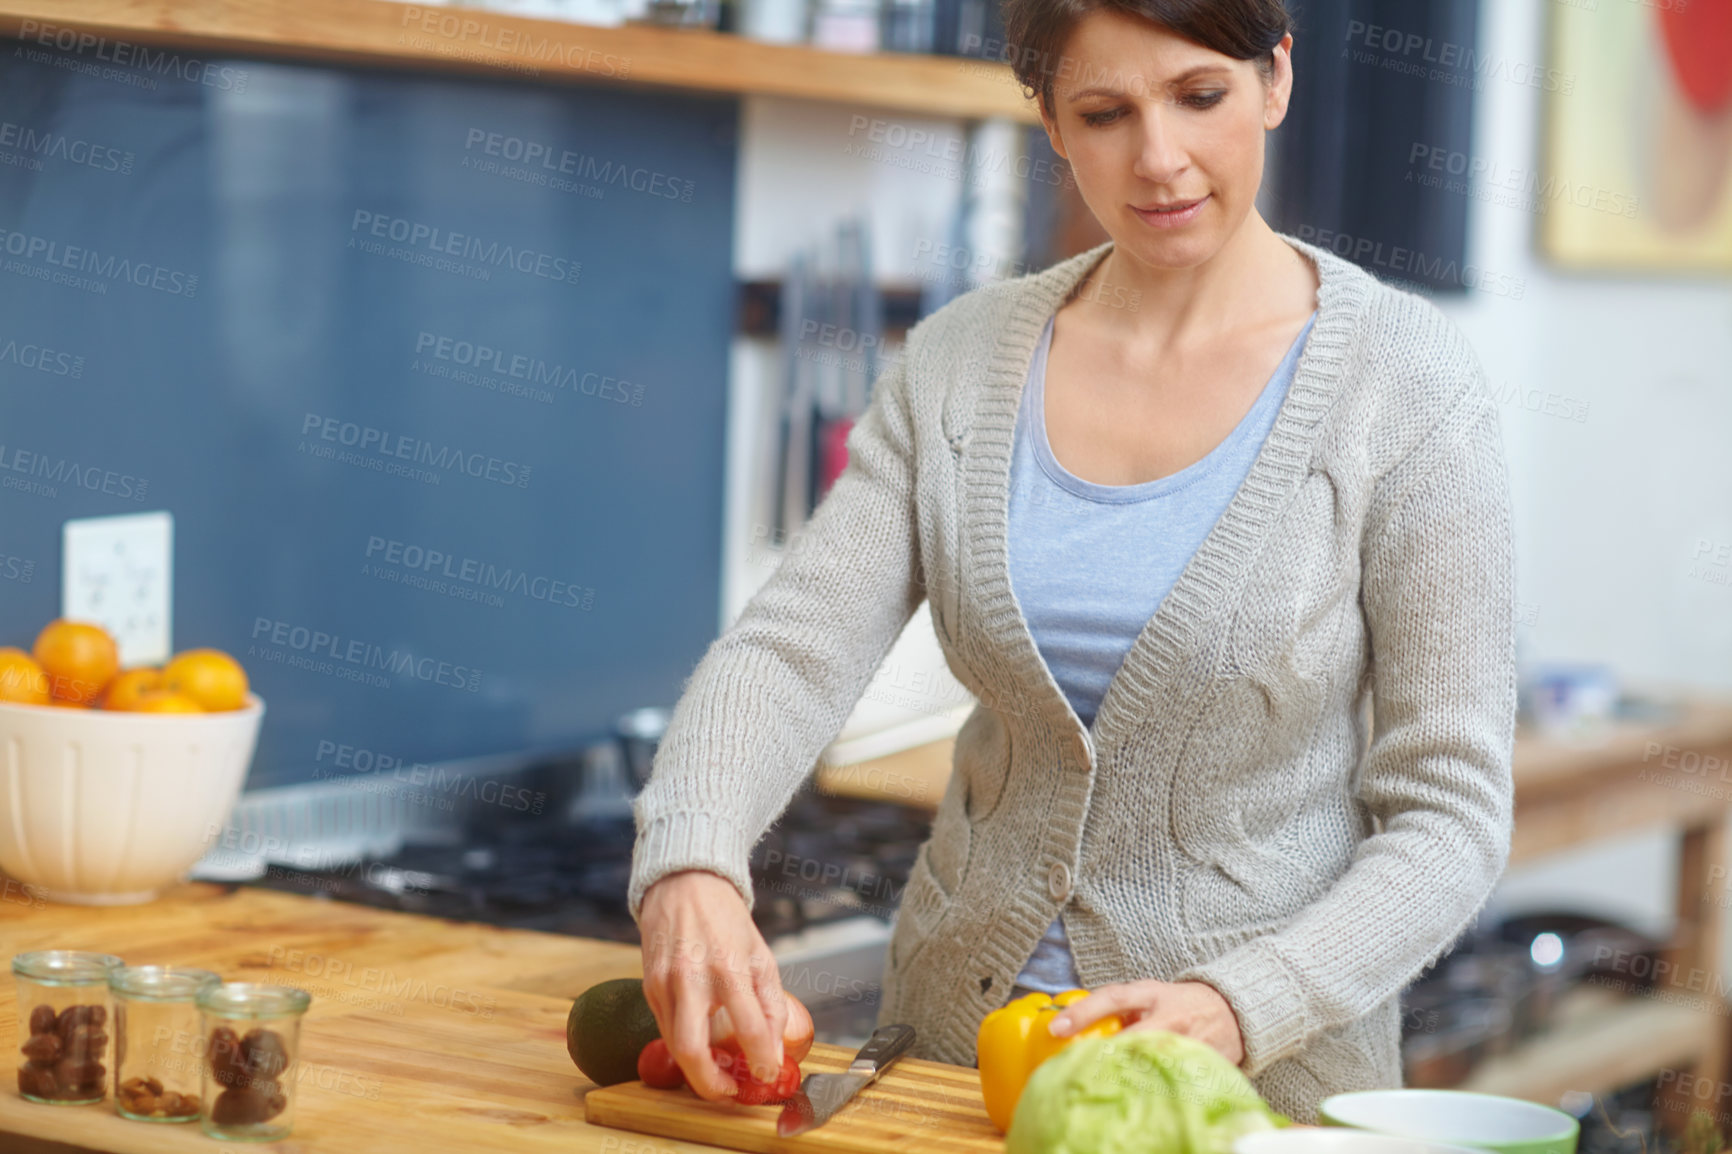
column 788, row 1082
column 657, row 1069
column 754, row 1092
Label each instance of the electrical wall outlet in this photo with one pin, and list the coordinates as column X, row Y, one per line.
column 119, row 572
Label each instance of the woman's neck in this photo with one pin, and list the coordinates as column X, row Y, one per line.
column 1254, row 280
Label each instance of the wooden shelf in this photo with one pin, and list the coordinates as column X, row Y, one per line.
column 1602, row 1041
column 1699, row 723
column 1637, row 776
column 396, row 35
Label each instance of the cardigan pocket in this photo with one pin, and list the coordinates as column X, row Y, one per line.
column 921, row 909
column 983, row 757
column 940, row 865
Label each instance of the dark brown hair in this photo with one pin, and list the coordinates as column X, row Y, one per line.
column 1036, row 32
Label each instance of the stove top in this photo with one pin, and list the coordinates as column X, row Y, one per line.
column 832, row 858
column 566, row 881
column 828, row 859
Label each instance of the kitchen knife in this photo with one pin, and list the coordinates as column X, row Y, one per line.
column 821, row 1095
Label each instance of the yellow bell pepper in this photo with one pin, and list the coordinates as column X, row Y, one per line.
column 1014, row 1039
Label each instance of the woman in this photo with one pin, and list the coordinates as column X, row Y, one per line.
column 1229, row 571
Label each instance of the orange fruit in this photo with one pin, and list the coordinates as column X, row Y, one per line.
column 210, row 677
column 165, row 701
column 79, row 657
column 21, row 679
column 125, row 690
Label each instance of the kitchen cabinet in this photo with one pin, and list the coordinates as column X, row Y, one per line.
column 383, row 33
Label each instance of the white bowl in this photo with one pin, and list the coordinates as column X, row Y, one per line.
column 1485, row 1121
column 1333, row 1140
column 107, row 808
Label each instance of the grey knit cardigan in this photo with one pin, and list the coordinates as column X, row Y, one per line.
column 1297, row 788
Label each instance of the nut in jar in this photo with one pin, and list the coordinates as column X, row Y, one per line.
column 252, row 1038
column 247, row 1067
column 156, row 1025
column 63, row 1015
column 146, row 1098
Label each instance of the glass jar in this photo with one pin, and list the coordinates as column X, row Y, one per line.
column 157, row 1041
column 252, row 1039
column 63, row 1025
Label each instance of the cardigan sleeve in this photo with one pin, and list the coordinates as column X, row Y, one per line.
column 1438, row 594
column 778, row 685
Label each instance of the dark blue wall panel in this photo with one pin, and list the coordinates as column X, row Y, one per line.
column 267, row 290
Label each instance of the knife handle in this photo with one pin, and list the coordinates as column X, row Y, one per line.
column 881, row 1050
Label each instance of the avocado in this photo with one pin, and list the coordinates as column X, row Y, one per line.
column 609, row 1025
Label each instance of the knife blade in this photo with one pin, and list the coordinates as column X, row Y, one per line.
column 821, row 1095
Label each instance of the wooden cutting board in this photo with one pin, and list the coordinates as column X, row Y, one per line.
column 917, row 1105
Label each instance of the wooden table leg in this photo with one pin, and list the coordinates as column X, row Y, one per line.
column 1694, row 967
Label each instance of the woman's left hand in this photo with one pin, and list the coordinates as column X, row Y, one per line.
column 1195, row 1009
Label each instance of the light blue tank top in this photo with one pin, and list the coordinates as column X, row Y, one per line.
column 1091, row 563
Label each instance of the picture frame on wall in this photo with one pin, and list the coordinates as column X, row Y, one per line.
column 1636, row 171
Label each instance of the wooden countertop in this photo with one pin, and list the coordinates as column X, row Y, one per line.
column 384, row 33
column 423, row 1033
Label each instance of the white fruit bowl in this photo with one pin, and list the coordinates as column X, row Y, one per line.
column 106, row 808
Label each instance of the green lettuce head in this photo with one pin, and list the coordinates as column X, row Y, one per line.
column 1137, row 1092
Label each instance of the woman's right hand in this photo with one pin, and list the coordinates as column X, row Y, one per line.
column 702, row 950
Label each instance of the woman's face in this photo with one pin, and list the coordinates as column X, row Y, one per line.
column 1151, row 121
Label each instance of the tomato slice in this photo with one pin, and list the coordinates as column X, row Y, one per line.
column 754, row 1091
